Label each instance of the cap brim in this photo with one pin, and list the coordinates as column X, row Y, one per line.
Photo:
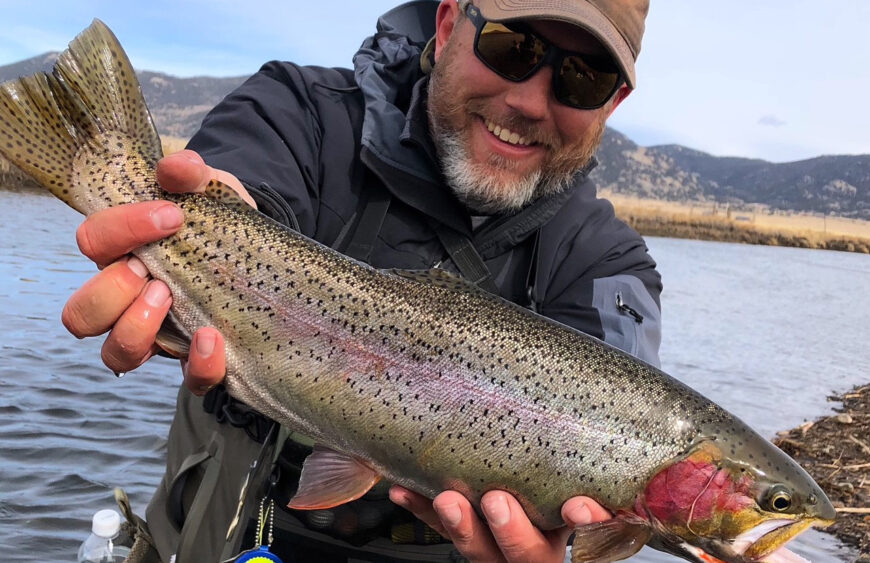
column 581, row 14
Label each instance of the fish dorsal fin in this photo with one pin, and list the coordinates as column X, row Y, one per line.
column 173, row 337
column 330, row 478
column 221, row 192
column 611, row 540
column 437, row 277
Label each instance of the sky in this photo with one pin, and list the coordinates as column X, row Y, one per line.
column 781, row 80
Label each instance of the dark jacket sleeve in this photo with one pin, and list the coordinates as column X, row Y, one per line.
column 603, row 282
column 268, row 134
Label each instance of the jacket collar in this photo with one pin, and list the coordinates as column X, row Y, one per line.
column 397, row 146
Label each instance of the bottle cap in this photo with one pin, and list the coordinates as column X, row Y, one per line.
column 107, row 523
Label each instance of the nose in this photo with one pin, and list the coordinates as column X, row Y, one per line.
column 532, row 96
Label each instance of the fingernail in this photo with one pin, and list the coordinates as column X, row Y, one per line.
column 137, row 266
column 167, row 217
column 205, row 344
column 496, row 509
column 579, row 514
column 157, row 294
column 450, row 514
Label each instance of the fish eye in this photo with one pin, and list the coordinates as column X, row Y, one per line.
column 778, row 499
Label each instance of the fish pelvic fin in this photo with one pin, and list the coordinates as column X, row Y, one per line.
column 330, row 478
column 611, row 540
column 82, row 123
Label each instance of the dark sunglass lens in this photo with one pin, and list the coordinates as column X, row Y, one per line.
column 582, row 85
column 511, row 53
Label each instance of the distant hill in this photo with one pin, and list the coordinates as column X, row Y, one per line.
column 177, row 104
column 837, row 185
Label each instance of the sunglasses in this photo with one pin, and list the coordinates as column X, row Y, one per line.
column 515, row 53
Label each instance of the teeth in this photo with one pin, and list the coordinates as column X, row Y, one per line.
column 506, row 135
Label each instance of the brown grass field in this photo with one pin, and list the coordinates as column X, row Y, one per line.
column 718, row 222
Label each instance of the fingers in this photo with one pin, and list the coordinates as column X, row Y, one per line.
column 507, row 534
column 468, row 532
column 205, row 366
column 185, row 171
column 419, row 505
column 516, row 537
column 131, row 341
column 451, row 515
column 95, row 307
column 579, row 511
column 111, row 233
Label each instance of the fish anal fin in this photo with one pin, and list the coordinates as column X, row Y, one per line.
column 173, row 337
column 611, row 540
column 330, row 478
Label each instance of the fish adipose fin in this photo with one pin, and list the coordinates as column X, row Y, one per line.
column 611, row 540
column 58, row 127
column 330, row 478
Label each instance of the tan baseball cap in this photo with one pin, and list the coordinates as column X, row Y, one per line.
column 618, row 24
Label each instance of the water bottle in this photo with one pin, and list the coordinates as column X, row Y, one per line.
column 101, row 546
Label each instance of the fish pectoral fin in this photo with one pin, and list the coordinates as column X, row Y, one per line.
column 611, row 540
column 173, row 337
column 330, row 478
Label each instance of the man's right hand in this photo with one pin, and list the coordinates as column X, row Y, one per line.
column 122, row 298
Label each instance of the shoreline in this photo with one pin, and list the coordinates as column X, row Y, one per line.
column 721, row 223
column 835, row 450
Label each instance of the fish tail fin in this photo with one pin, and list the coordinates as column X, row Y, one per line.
column 67, row 128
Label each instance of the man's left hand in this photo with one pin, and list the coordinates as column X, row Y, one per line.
column 507, row 534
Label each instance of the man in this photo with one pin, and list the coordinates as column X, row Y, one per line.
column 470, row 154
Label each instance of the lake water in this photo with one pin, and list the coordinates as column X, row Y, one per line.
column 766, row 332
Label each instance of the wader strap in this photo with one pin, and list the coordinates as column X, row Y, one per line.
column 260, row 471
column 466, row 258
column 371, row 219
column 531, row 277
column 188, row 550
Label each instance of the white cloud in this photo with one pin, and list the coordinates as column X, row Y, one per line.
column 771, row 121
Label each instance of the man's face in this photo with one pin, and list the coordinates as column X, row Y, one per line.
column 503, row 144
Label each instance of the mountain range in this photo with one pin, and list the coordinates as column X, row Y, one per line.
column 833, row 185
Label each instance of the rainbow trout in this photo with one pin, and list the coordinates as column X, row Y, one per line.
column 414, row 377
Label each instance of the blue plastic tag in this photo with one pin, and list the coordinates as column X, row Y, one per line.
column 259, row 555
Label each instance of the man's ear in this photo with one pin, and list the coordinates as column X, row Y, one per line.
column 445, row 20
column 620, row 95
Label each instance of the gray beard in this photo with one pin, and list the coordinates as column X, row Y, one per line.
column 483, row 192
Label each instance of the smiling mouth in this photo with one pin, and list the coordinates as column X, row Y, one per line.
column 506, row 135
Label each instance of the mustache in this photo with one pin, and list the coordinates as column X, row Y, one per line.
column 517, row 123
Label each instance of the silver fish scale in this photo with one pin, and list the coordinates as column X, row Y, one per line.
column 435, row 385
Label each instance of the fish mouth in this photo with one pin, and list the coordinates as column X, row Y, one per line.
column 763, row 543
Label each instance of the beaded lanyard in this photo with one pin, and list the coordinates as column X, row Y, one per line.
column 262, row 554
